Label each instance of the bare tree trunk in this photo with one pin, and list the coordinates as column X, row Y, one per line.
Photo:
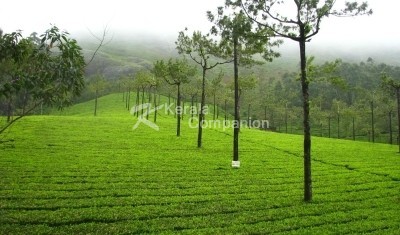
column 137, row 102
column 320, row 130
column 398, row 116
column 128, row 99
column 306, row 121
column 236, row 128
column 338, row 125
column 142, row 101
column 95, row 103
column 286, row 119
column 178, row 111
column 169, row 102
column 225, row 114
column 390, row 128
column 149, row 104
column 202, row 102
column 372, row 122
column 155, row 106
column 329, row 126
column 248, row 116
column 354, row 129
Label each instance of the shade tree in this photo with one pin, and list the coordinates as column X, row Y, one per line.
column 175, row 73
column 97, row 84
column 301, row 27
column 49, row 71
column 240, row 42
column 207, row 53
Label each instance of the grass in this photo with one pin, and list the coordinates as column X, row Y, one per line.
column 75, row 173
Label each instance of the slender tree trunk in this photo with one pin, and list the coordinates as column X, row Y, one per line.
column 123, row 96
column 192, row 108
column 398, row 116
column 372, row 122
column 155, row 106
column 178, row 111
column 129, row 99
column 286, row 119
column 236, row 128
column 248, row 116
column 149, row 104
column 320, row 129
column 329, row 126
column 272, row 118
column 217, row 107
column 142, row 101
column 95, row 103
column 202, row 102
column 137, row 102
column 390, row 128
column 338, row 125
column 306, row 121
column 354, row 129
column 169, row 102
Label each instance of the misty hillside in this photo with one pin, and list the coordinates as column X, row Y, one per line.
column 129, row 54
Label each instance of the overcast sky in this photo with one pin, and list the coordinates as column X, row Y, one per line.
column 167, row 17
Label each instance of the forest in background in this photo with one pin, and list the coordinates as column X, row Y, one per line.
column 351, row 105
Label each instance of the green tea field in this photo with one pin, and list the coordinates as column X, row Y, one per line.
column 73, row 173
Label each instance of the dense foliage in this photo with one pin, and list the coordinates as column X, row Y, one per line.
column 39, row 71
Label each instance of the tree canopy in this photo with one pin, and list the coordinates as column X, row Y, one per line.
column 48, row 70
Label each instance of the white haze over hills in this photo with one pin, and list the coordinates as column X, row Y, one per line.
column 357, row 38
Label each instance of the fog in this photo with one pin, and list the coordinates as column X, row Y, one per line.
column 164, row 19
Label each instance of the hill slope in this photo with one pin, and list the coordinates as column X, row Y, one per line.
column 77, row 173
column 127, row 54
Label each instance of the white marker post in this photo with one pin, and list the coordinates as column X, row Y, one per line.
column 235, row 164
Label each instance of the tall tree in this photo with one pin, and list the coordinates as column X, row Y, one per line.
column 300, row 27
column 49, row 71
column 241, row 43
column 175, row 73
column 144, row 79
column 97, row 84
column 201, row 48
